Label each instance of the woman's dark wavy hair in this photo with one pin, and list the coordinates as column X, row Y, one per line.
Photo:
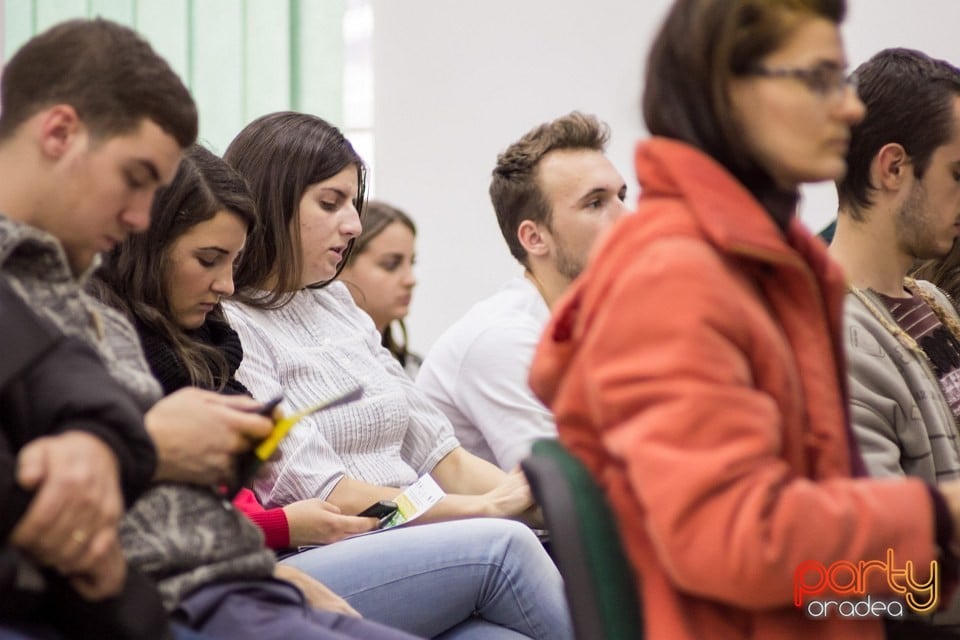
column 132, row 277
column 701, row 47
column 281, row 155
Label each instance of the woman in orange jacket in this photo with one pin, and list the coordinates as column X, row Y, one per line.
column 696, row 367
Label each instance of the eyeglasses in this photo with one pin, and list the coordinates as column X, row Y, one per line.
column 825, row 80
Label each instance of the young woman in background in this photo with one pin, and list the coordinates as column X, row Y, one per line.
column 379, row 275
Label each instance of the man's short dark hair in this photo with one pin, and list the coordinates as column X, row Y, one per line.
column 910, row 101
column 106, row 72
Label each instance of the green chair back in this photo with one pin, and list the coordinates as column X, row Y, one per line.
column 585, row 543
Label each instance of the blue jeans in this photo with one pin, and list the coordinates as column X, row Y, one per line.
column 479, row 578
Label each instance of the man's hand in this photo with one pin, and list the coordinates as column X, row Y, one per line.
column 105, row 578
column 315, row 521
column 71, row 523
column 511, row 498
column 318, row 595
column 197, row 433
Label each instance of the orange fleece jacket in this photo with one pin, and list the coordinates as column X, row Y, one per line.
column 696, row 368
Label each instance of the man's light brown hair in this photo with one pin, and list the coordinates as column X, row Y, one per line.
column 514, row 190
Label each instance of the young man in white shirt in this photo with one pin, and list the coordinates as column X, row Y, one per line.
column 554, row 192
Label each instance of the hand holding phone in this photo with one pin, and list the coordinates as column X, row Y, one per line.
column 383, row 510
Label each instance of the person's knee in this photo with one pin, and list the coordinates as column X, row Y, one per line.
column 508, row 537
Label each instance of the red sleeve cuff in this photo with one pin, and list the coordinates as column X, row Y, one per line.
column 273, row 522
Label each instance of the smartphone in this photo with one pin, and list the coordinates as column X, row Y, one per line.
column 380, row 509
column 247, row 463
column 269, row 406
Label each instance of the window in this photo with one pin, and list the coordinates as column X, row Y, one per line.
column 358, row 80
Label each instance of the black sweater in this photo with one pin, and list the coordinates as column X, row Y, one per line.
column 50, row 384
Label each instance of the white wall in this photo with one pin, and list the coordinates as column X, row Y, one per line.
column 457, row 81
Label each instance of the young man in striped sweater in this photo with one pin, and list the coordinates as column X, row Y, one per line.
column 900, row 203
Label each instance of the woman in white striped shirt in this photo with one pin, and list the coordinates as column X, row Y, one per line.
column 303, row 336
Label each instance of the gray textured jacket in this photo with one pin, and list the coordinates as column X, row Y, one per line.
column 903, row 423
column 901, row 418
column 181, row 536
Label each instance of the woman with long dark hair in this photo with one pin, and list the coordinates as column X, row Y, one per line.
column 303, row 335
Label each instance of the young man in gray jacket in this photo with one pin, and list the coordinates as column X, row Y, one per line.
column 56, row 389
column 92, row 123
column 900, row 203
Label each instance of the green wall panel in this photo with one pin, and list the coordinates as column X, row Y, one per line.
column 267, row 58
column 217, row 69
column 17, row 25
column 50, row 12
column 165, row 24
column 318, row 75
column 121, row 11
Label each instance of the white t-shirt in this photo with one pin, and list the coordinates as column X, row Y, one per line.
column 477, row 373
column 318, row 345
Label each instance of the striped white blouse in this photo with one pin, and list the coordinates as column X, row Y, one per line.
column 317, row 345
